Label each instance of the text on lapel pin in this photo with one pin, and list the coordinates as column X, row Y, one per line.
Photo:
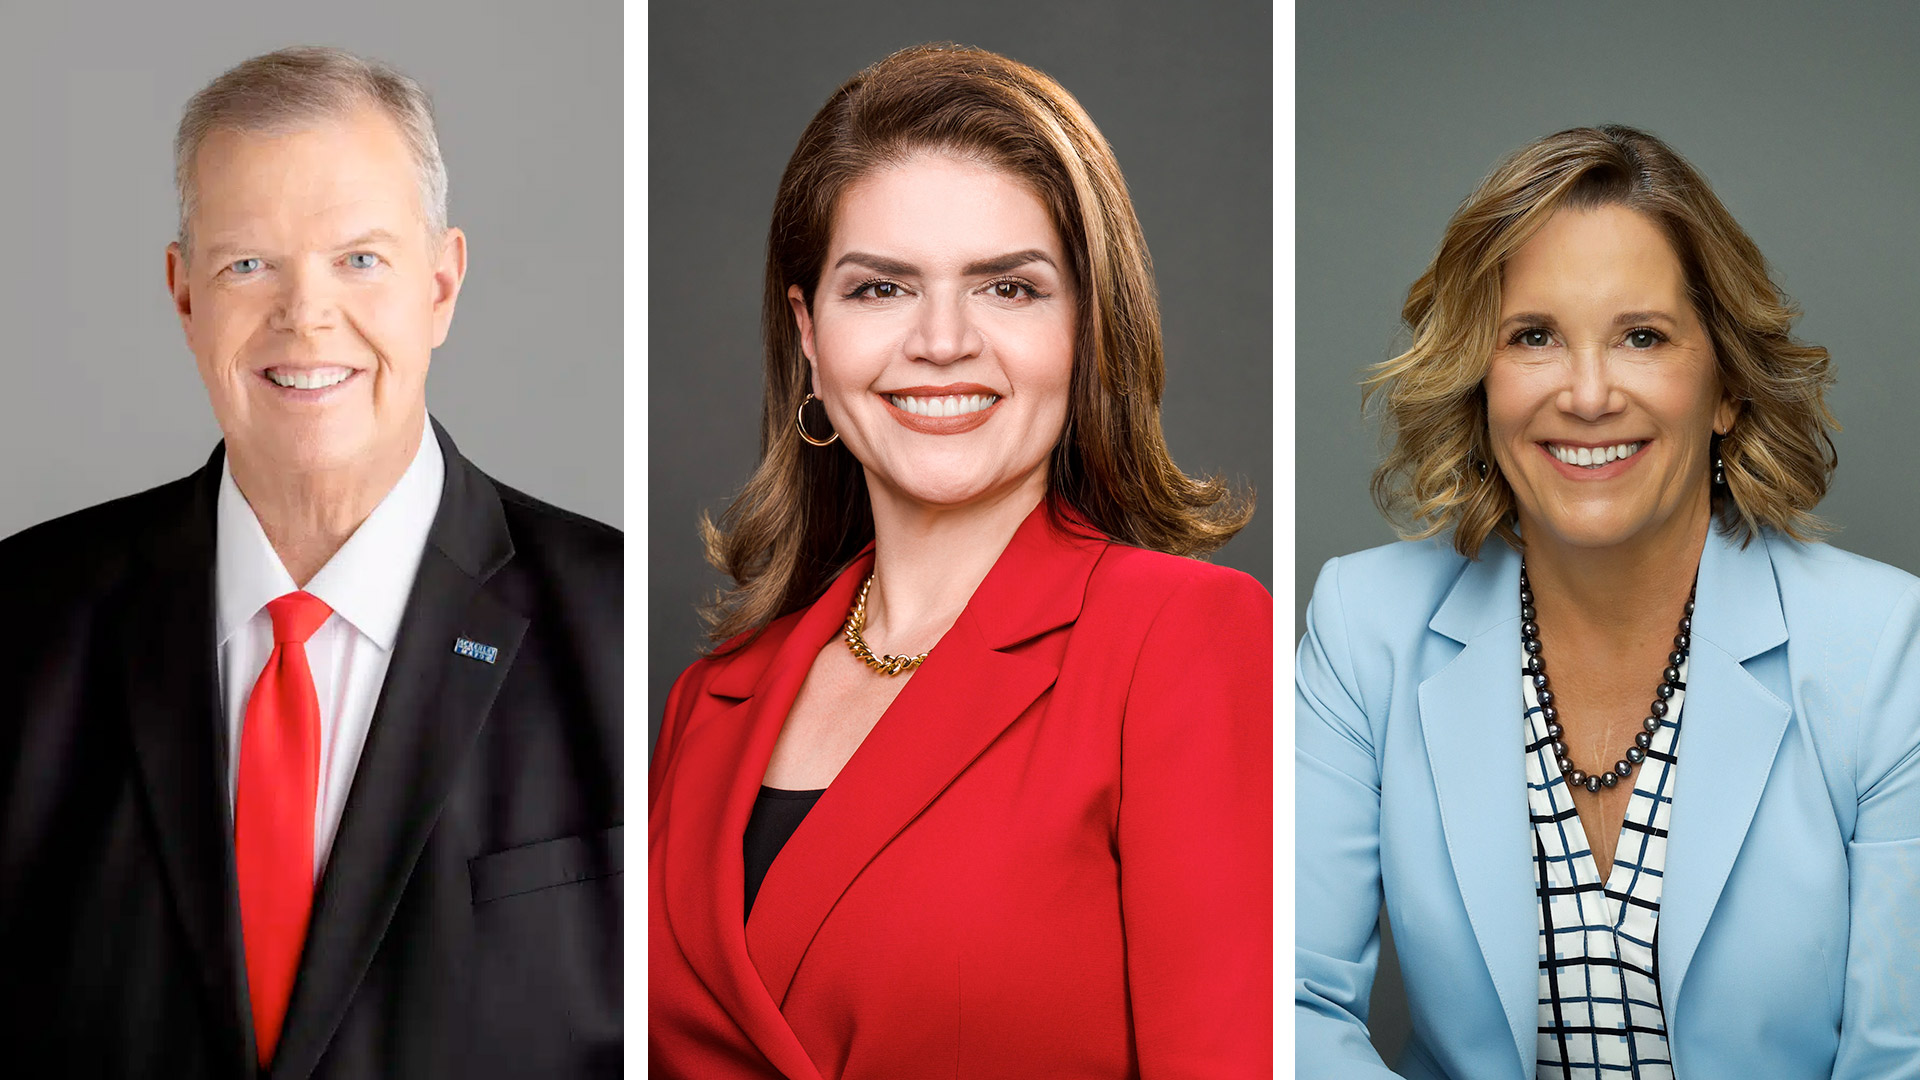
column 475, row 651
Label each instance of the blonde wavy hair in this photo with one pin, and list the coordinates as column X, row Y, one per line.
column 1779, row 457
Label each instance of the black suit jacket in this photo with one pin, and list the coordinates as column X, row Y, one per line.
column 468, row 923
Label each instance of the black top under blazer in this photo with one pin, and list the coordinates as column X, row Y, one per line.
column 468, row 923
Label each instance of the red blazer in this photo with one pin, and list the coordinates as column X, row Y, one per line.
column 1050, row 858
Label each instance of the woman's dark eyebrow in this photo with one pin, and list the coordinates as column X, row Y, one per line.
column 878, row 262
column 998, row 264
column 1628, row 318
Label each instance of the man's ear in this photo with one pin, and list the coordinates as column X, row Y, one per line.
column 449, row 270
column 177, row 286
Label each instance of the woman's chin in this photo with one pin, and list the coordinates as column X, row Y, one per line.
column 936, row 493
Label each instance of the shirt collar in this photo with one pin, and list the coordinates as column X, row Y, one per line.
column 366, row 582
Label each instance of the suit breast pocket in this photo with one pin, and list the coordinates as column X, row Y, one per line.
column 546, row 864
column 544, row 970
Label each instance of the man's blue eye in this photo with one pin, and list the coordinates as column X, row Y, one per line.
column 361, row 260
column 245, row 266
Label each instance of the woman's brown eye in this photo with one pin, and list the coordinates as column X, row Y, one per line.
column 1535, row 338
column 885, row 290
column 1007, row 290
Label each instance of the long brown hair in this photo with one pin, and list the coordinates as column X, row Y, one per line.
column 1779, row 456
column 805, row 513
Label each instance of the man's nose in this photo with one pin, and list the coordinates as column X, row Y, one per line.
column 307, row 300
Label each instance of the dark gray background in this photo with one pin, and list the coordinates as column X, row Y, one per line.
column 1183, row 94
column 1804, row 118
column 100, row 396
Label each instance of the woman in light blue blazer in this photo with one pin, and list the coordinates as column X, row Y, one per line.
column 1633, row 761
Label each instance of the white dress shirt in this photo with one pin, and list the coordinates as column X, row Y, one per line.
column 366, row 583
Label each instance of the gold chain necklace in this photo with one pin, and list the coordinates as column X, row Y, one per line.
column 857, row 621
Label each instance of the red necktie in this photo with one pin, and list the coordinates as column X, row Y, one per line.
column 273, row 814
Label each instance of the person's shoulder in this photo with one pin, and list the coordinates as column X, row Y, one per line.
column 1853, row 645
column 1816, row 577
column 80, row 551
column 550, row 534
column 1142, row 575
column 1410, row 578
column 740, row 659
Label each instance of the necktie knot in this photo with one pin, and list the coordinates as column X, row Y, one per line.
column 296, row 616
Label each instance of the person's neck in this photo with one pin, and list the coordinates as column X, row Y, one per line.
column 308, row 515
column 929, row 560
column 1623, row 592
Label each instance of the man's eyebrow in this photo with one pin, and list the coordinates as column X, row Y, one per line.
column 372, row 236
column 219, row 252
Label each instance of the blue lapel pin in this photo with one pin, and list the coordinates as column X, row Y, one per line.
column 473, row 650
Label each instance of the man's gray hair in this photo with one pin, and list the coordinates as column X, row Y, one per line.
column 286, row 90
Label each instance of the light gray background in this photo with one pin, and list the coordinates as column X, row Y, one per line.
column 1182, row 93
column 1804, row 118
column 99, row 396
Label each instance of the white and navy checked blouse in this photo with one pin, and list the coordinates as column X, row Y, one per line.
column 1600, row 1009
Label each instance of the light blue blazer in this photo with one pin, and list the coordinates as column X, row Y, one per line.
column 1789, row 941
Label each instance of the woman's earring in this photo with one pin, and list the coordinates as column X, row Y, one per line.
column 1719, row 467
column 1479, row 465
column 800, row 423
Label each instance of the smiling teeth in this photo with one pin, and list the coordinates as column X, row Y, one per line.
column 1592, row 457
column 951, row 405
column 308, row 380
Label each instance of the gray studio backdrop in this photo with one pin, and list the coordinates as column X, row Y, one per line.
column 100, row 396
column 1184, row 96
column 1805, row 119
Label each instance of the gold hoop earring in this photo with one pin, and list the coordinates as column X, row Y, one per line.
column 800, row 423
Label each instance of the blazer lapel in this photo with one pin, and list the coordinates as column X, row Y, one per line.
column 430, row 711
column 958, row 702
column 717, row 772
column 172, row 704
column 1730, row 732
column 1482, row 795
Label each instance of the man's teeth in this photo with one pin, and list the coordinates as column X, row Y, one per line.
column 1593, row 457
column 951, row 405
column 308, row 380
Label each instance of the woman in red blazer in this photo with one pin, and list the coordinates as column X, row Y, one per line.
column 978, row 782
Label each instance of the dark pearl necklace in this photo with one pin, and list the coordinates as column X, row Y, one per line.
column 1536, row 668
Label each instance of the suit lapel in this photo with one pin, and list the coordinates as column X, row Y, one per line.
column 1730, row 731
column 958, row 702
column 717, row 772
column 431, row 708
column 172, row 703
column 1464, row 708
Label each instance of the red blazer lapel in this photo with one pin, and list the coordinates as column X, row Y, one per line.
column 957, row 703
column 716, row 776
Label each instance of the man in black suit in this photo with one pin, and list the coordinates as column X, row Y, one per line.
column 310, row 761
